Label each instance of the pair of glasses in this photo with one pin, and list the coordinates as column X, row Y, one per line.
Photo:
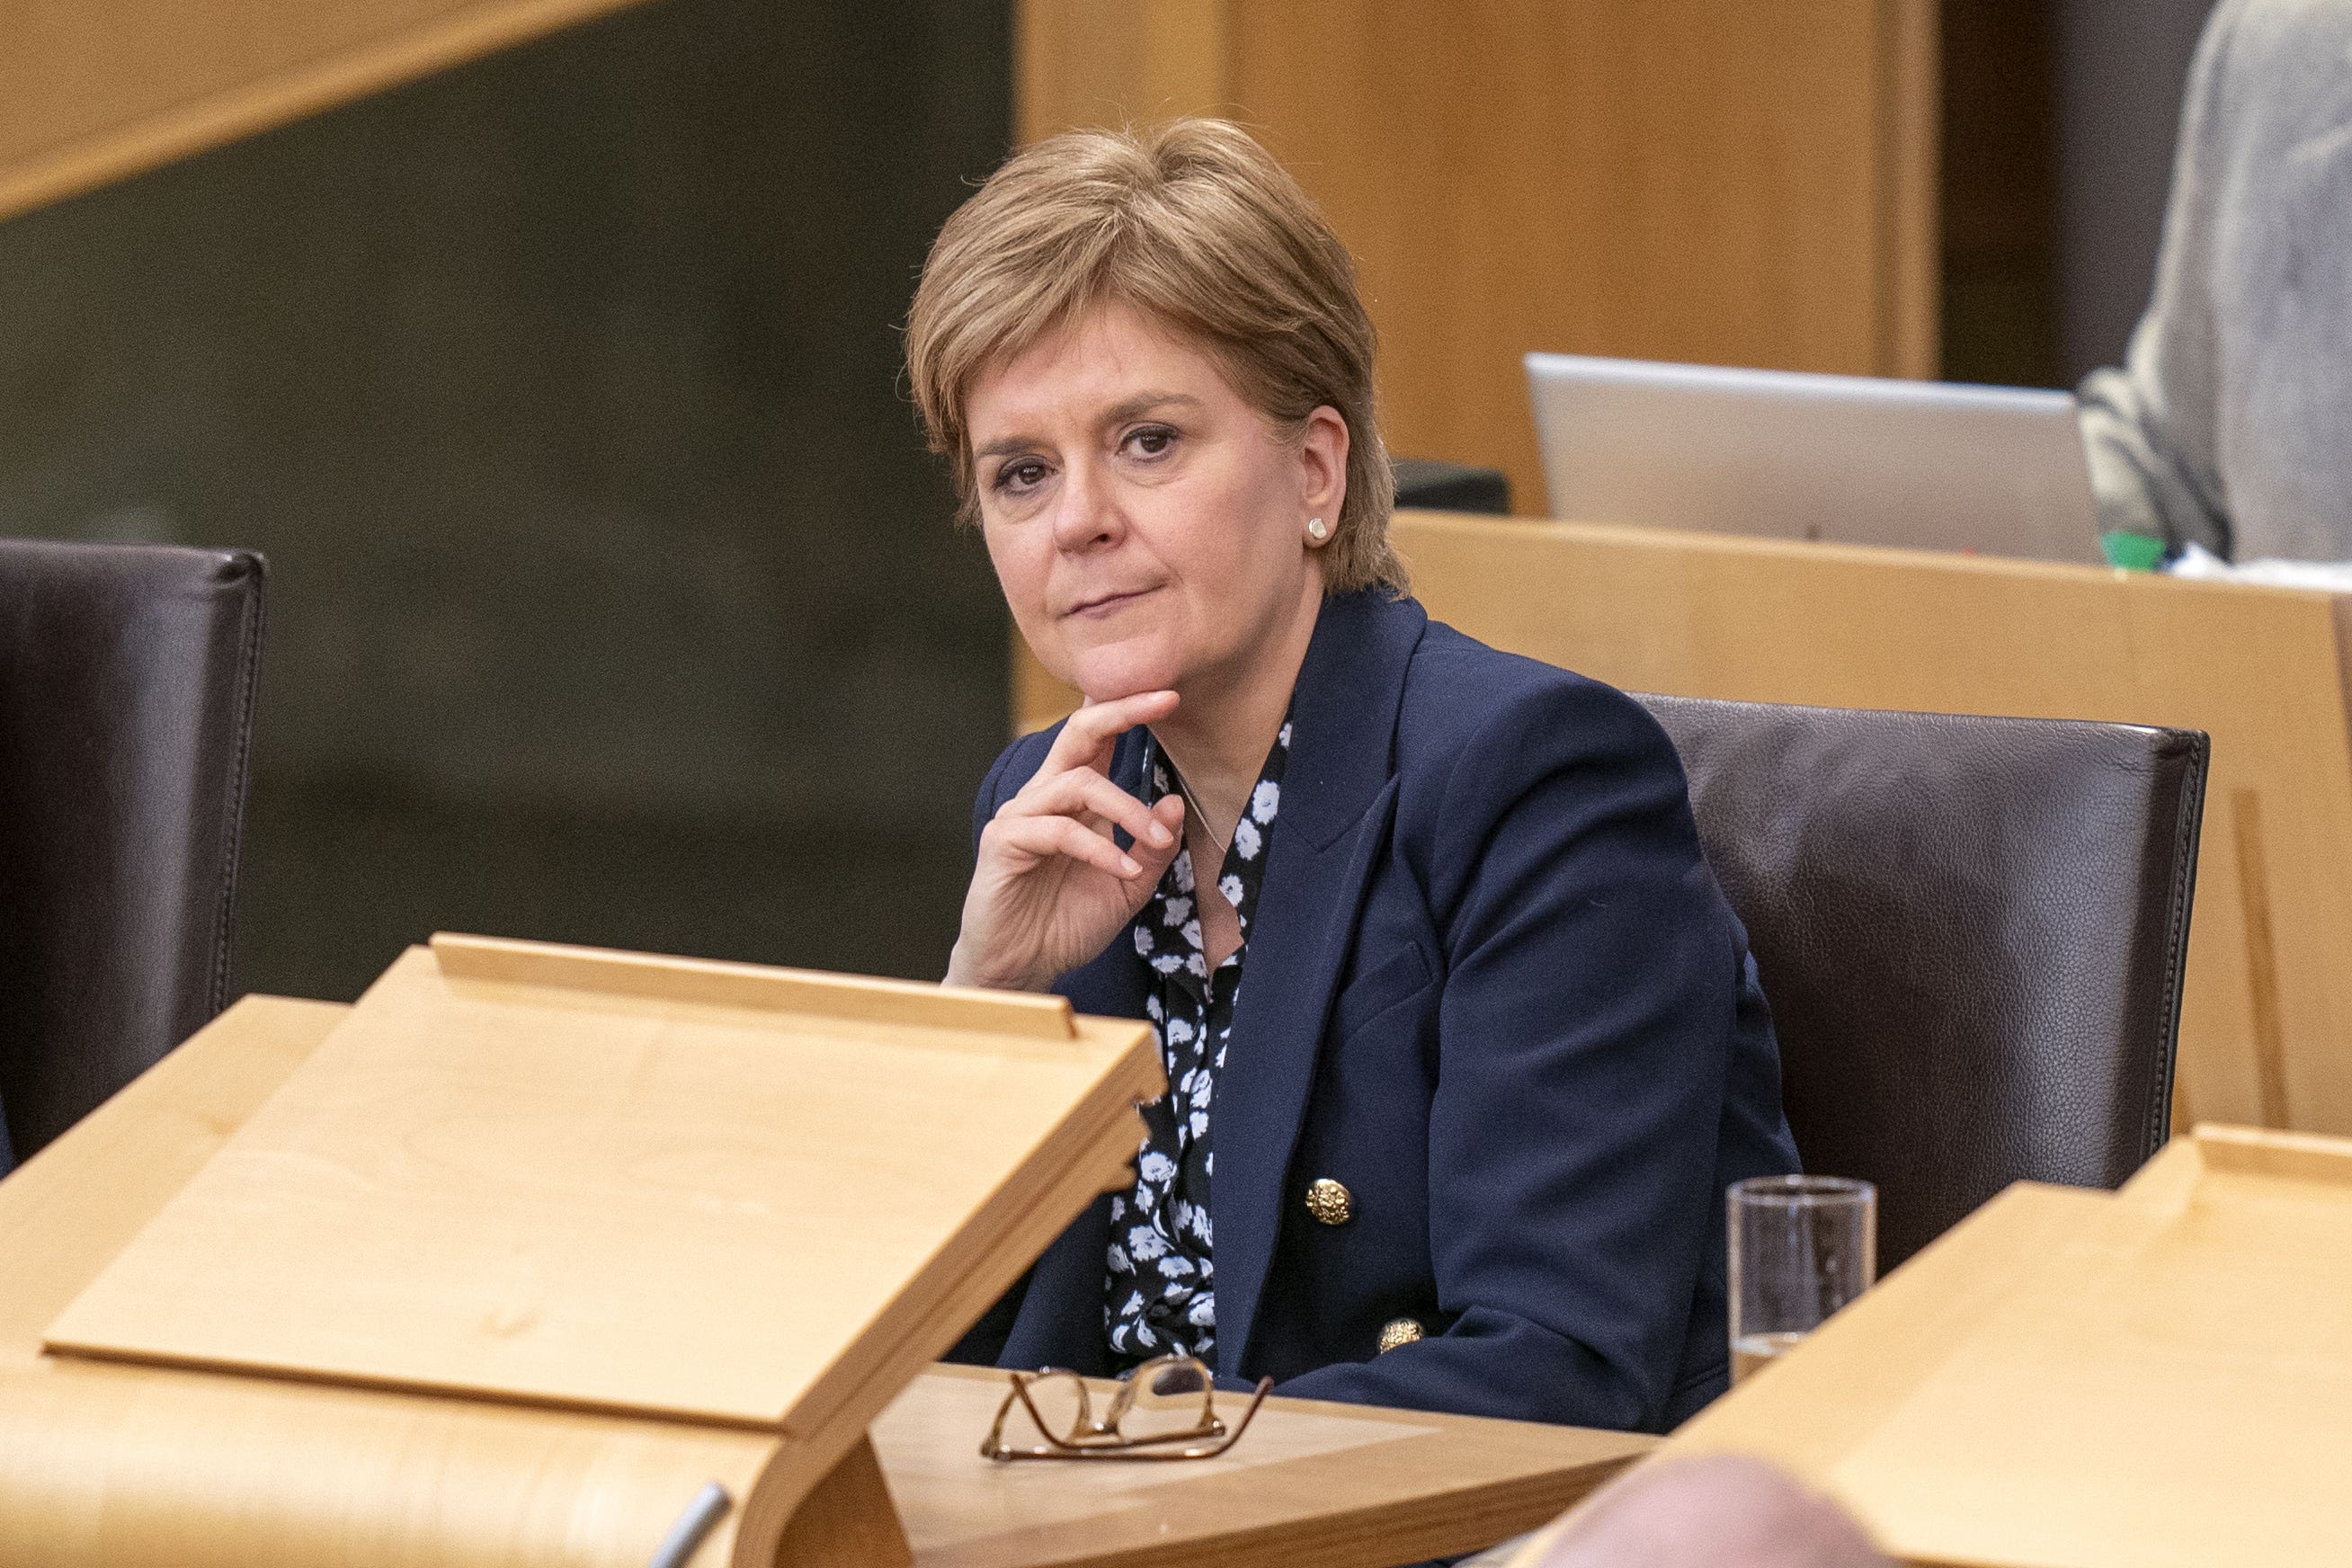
column 1166, row 1409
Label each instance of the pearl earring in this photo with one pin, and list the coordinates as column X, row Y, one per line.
column 1315, row 529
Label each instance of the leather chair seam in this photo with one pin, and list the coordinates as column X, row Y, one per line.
column 254, row 575
column 2188, row 820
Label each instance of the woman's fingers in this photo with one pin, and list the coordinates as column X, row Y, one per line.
column 1089, row 732
column 1023, row 910
column 1089, row 804
column 1167, row 815
column 1082, row 791
column 1042, row 837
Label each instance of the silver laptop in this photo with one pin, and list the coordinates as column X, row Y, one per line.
column 1923, row 465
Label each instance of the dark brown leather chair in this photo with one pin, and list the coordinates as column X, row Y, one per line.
column 126, row 704
column 1437, row 486
column 1971, row 932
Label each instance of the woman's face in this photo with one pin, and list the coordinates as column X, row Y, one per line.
column 1148, row 525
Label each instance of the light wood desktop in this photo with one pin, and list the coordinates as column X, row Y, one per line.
column 2266, row 1028
column 1320, row 1486
column 2152, row 1378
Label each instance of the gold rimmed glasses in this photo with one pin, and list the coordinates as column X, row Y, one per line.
column 1165, row 1409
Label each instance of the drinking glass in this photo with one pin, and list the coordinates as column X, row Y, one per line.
column 1801, row 1246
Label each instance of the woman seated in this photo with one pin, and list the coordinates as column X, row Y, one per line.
column 1462, row 1042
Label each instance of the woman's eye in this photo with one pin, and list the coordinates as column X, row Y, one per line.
column 1027, row 474
column 1150, row 441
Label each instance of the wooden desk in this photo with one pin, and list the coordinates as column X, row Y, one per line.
column 1311, row 1486
column 2266, row 1022
column 1314, row 1484
column 2069, row 1379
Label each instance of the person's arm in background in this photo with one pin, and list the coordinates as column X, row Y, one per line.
column 2149, row 428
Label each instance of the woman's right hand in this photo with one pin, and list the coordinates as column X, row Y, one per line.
column 1050, row 889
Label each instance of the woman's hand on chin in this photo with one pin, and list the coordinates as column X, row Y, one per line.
column 1051, row 889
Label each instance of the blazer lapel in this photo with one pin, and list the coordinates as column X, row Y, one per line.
column 1338, row 795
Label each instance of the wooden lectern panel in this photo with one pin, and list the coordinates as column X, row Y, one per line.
column 107, row 1466
column 93, row 90
column 527, row 1189
column 2156, row 1377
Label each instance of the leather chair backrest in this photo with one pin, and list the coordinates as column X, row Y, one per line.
column 1971, row 932
column 126, row 704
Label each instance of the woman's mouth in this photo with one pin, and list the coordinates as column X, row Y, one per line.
column 1103, row 604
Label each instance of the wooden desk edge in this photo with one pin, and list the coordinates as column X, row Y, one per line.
column 1248, row 1521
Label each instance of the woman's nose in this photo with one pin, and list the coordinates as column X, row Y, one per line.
column 1085, row 513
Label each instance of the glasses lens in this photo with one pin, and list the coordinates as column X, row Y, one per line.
column 1060, row 1400
column 1170, row 1396
column 1175, row 1381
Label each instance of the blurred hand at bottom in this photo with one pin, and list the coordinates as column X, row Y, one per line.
column 1717, row 1511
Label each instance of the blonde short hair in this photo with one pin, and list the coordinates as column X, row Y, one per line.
column 1192, row 222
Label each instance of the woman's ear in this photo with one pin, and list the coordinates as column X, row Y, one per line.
column 1323, row 464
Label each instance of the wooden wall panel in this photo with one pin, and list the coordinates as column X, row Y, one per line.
column 1666, row 179
column 92, row 90
column 1084, row 62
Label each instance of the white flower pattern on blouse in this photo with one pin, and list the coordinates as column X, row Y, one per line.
column 1159, row 1280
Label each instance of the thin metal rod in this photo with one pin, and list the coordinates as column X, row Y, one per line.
column 701, row 1516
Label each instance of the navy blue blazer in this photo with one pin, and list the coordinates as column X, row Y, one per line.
column 1492, row 989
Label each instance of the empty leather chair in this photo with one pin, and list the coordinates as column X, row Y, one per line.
column 1971, row 932
column 126, row 706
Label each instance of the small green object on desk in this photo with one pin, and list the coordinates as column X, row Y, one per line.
column 2132, row 552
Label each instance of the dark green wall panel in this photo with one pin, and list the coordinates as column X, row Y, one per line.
column 613, row 597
